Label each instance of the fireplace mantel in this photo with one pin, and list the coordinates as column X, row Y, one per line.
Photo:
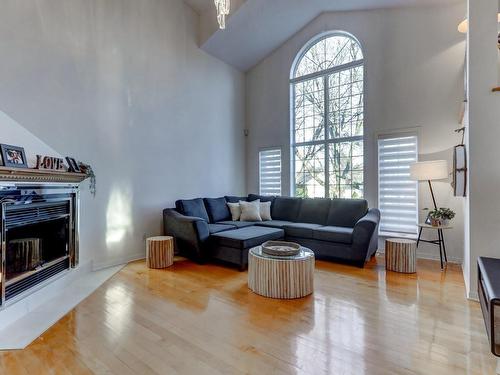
column 39, row 175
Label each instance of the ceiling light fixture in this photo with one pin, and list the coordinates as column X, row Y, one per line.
column 222, row 7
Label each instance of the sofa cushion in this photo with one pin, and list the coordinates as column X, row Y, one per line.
column 250, row 211
column 274, row 223
column 216, row 228
column 217, row 209
column 235, row 210
column 192, row 207
column 333, row 234
column 303, row 230
column 237, row 224
column 265, row 211
column 285, row 208
column 245, row 238
column 314, row 210
column 346, row 212
column 234, row 199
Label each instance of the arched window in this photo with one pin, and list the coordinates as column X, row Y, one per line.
column 327, row 118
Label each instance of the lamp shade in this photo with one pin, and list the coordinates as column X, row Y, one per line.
column 429, row 170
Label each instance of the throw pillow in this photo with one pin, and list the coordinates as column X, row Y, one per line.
column 235, row 211
column 265, row 211
column 250, row 211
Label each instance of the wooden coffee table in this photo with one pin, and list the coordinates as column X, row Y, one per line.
column 284, row 277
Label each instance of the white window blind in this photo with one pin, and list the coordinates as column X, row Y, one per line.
column 398, row 194
column 270, row 172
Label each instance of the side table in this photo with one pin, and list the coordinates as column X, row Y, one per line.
column 439, row 242
column 159, row 251
column 400, row 255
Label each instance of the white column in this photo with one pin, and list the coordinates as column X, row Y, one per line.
column 483, row 140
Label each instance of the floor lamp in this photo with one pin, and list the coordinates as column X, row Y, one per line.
column 429, row 171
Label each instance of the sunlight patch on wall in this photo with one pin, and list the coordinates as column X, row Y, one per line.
column 118, row 215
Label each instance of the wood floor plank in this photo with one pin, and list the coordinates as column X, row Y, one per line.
column 203, row 319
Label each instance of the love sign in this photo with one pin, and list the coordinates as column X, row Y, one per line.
column 49, row 162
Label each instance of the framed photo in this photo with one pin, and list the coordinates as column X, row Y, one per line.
column 13, row 156
column 73, row 165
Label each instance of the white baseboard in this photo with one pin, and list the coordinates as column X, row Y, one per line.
column 100, row 264
column 473, row 296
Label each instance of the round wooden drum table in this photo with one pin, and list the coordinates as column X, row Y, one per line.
column 159, row 251
column 401, row 255
column 284, row 277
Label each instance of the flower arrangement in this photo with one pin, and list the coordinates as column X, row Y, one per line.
column 441, row 216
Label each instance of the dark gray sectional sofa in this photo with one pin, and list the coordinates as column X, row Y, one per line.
column 336, row 229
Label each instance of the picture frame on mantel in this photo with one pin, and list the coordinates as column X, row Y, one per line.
column 13, row 156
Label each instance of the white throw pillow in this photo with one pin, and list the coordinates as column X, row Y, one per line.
column 265, row 211
column 235, row 211
column 250, row 211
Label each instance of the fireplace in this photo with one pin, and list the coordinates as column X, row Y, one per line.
column 39, row 232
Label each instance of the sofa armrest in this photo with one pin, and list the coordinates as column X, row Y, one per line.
column 190, row 233
column 365, row 235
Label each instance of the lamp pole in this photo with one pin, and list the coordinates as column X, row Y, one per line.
column 432, row 194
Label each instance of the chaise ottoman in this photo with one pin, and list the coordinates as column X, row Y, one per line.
column 232, row 246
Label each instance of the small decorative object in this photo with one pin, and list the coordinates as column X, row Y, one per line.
column 435, row 218
column 280, row 248
column 13, row 156
column 72, row 165
column 223, row 7
column 49, row 162
column 87, row 169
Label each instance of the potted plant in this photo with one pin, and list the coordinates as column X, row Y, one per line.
column 435, row 217
column 446, row 215
column 440, row 216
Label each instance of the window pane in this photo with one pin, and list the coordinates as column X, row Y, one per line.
column 345, row 90
column 309, row 111
column 328, row 53
column 346, row 169
column 310, row 171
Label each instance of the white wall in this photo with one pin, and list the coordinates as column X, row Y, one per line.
column 13, row 133
column 484, row 133
column 414, row 78
column 121, row 84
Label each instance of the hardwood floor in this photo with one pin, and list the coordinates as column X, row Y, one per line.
column 191, row 319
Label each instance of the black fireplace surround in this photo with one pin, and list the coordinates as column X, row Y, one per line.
column 39, row 237
column 335, row 229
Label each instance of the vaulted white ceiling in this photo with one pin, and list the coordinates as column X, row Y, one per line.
column 200, row 6
column 257, row 27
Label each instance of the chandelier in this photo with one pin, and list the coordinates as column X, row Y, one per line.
column 222, row 7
